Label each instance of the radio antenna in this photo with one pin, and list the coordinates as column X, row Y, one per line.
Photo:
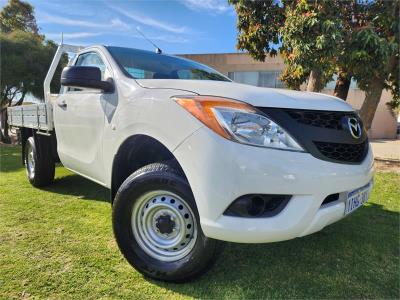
column 158, row 50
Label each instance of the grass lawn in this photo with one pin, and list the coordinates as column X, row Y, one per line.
column 58, row 243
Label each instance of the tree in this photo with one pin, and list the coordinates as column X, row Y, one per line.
column 304, row 33
column 374, row 57
column 258, row 26
column 352, row 17
column 310, row 34
column 319, row 38
column 25, row 58
column 18, row 15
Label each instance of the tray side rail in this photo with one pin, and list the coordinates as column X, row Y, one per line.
column 35, row 116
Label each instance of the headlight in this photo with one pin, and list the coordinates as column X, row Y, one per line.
column 238, row 121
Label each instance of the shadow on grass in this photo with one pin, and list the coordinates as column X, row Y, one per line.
column 10, row 158
column 80, row 187
column 71, row 184
column 355, row 258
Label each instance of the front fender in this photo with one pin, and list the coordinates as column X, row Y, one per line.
column 152, row 113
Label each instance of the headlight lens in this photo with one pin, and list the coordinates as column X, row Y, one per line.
column 238, row 121
column 255, row 129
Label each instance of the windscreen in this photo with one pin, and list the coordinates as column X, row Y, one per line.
column 141, row 64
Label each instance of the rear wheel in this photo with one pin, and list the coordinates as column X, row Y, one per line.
column 39, row 163
column 157, row 226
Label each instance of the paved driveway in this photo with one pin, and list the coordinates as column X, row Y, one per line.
column 386, row 149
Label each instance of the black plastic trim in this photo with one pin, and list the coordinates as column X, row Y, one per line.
column 331, row 198
column 307, row 135
column 236, row 209
column 86, row 77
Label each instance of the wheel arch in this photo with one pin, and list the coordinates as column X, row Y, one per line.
column 136, row 152
column 42, row 142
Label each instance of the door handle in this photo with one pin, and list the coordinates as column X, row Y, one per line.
column 62, row 103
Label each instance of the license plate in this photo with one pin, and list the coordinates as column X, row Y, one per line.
column 357, row 198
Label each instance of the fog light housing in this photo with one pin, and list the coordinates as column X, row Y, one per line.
column 257, row 206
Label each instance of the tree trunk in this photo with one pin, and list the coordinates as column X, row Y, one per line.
column 20, row 100
column 342, row 85
column 4, row 126
column 4, row 136
column 372, row 97
column 314, row 81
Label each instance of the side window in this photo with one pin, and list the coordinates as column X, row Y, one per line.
column 91, row 59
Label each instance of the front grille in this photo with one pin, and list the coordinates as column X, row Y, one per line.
column 353, row 153
column 324, row 119
column 324, row 134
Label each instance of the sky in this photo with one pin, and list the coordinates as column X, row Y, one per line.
column 175, row 26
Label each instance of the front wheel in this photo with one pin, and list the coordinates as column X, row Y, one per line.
column 157, row 228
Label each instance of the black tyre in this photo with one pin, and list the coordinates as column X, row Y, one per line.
column 39, row 163
column 156, row 225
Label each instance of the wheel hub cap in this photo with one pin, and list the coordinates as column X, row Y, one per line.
column 30, row 162
column 164, row 225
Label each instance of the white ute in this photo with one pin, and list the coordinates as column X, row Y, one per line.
column 192, row 158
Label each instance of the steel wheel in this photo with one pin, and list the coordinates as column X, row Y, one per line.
column 30, row 161
column 38, row 161
column 164, row 225
column 157, row 226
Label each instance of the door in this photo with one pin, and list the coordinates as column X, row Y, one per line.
column 79, row 123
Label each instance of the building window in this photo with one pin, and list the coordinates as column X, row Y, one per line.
column 258, row 78
column 331, row 84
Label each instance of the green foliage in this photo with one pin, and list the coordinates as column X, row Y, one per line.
column 293, row 75
column 310, row 35
column 306, row 34
column 357, row 39
column 374, row 49
column 18, row 15
column 25, row 58
column 25, row 61
column 26, row 55
column 369, row 57
column 393, row 86
column 258, row 26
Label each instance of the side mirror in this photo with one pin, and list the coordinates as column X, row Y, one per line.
column 85, row 77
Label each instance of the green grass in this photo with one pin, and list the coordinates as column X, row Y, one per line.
column 58, row 243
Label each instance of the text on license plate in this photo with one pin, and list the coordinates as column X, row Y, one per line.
column 357, row 198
